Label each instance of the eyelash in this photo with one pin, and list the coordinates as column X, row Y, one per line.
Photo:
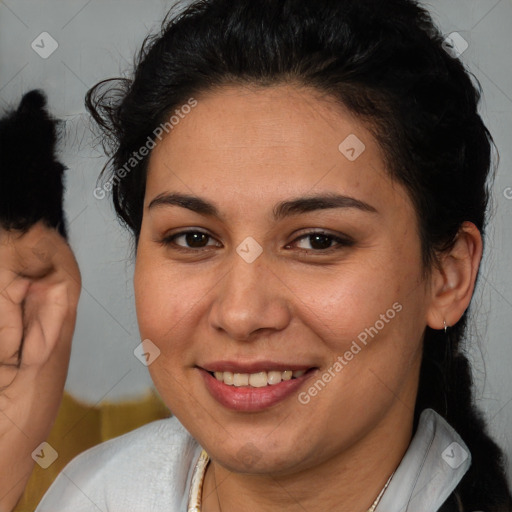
column 342, row 242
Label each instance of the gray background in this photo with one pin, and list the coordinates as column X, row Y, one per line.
column 97, row 39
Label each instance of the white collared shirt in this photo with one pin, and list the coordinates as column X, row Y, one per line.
column 150, row 470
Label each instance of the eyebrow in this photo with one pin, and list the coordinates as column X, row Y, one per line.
column 280, row 211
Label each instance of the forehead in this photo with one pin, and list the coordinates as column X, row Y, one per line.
column 254, row 142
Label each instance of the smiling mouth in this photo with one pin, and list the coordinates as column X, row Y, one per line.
column 256, row 391
column 259, row 379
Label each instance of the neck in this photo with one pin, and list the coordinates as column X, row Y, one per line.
column 352, row 478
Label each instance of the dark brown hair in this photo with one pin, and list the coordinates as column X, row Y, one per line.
column 385, row 61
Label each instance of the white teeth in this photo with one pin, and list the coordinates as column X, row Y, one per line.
column 257, row 380
column 274, row 377
column 241, row 379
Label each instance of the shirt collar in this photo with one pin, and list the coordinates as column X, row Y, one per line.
column 433, row 465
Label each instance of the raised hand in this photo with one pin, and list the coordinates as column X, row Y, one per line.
column 39, row 290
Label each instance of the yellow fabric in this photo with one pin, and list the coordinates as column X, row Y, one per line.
column 79, row 426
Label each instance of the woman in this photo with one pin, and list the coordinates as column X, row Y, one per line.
column 306, row 186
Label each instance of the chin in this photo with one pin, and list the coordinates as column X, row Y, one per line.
column 259, row 458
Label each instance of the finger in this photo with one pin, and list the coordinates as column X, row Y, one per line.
column 11, row 327
column 20, row 254
column 34, row 252
column 47, row 311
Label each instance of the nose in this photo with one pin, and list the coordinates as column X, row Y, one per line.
column 250, row 299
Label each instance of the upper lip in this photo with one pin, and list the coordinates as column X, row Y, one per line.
column 251, row 367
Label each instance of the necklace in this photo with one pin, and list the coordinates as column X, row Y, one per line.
column 196, row 486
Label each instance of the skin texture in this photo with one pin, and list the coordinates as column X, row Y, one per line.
column 245, row 150
column 39, row 290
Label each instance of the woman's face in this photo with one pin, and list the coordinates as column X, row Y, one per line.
column 301, row 256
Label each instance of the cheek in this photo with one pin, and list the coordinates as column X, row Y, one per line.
column 159, row 299
column 168, row 302
column 373, row 313
column 345, row 303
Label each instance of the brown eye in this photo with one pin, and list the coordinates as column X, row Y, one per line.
column 320, row 242
column 316, row 242
column 196, row 239
column 190, row 240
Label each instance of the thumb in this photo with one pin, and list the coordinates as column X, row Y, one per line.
column 46, row 311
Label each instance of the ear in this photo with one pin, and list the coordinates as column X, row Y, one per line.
column 453, row 280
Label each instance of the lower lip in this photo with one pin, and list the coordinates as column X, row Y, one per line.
column 249, row 399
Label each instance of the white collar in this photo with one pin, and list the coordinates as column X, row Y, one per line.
column 433, row 465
